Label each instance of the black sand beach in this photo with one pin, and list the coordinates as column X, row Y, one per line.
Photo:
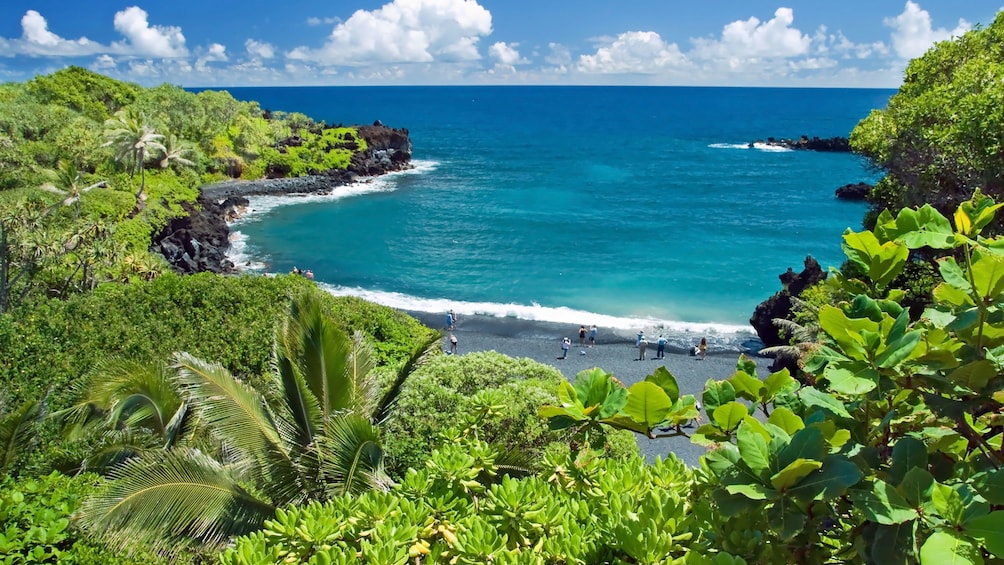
column 614, row 352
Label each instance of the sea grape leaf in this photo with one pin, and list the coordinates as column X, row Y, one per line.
column 752, row 491
column 794, row 472
column 785, row 520
column 862, row 380
column 786, row 420
column 908, row 453
column 666, row 382
column 746, row 386
column 835, row 476
column 753, row 448
column 946, row 546
column 948, row 503
column 991, row 485
column 923, row 227
column 917, row 486
column 647, row 403
column 988, row 275
column 953, row 274
column 779, row 382
column 897, row 351
column 730, row 415
column 568, row 396
column 717, row 394
column 975, row 375
column 806, row 443
column 883, row 504
column 990, row 530
column 812, row 397
column 893, row 545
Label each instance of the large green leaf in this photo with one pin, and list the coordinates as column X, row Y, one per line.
column 730, row 415
column 812, row 397
column 883, row 504
column 794, row 472
column 753, row 448
column 923, row 227
column 991, row 485
column 747, row 386
column 778, row 383
column 666, row 382
column 989, row 529
column 908, row 453
column 786, row 420
column 647, row 404
column 717, row 394
column 897, row 351
column 833, row 479
column 861, row 380
column 945, row 547
column 807, row 443
column 974, row 375
column 596, row 387
column 988, row 275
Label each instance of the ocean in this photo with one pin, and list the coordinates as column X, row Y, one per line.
column 625, row 207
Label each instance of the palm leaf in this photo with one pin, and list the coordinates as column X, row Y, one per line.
column 166, row 500
column 241, row 421
column 303, row 409
column 352, row 459
column 389, row 399
column 18, row 430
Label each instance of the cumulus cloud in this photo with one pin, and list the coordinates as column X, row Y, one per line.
column 38, row 41
column 634, row 52
column 145, row 40
column 405, row 31
column 506, row 54
column 913, row 35
column 753, row 39
column 259, row 50
column 214, row 53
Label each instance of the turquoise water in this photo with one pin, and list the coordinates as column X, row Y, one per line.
column 620, row 206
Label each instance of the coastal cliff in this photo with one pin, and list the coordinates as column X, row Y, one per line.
column 199, row 241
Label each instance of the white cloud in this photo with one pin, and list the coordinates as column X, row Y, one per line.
column 259, row 50
column 146, row 41
column 506, row 54
column 558, row 55
column 315, row 21
column 753, row 39
column 913, row 35
column 634, row 52
column 38, row 41
column 405, row 31
column 103, row 62
column 214, row 53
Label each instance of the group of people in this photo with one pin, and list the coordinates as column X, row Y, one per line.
column 584, row 335
column 641, row 343
column 308, row 273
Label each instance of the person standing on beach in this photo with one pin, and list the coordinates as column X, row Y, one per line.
column 582, row 336
column 450, row 320
column 592, row 335
column 641, row 336
column 642, row 346
column 453, row 344
column 702, row 348
column 660, row 352
column 565, row 344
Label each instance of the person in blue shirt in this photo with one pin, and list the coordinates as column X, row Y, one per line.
column 660, row 352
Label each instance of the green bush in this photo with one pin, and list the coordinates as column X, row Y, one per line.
column 36, row 524
column 448, row 391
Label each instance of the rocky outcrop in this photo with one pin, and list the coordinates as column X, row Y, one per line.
column 858, row 191
column 199, row 241
column 835, row 144
column 779, row 305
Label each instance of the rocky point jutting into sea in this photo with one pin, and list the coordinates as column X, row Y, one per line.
column 199, row 241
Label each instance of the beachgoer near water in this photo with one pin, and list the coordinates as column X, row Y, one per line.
column 660, row 352
column 296, row 270
column 565, row 344
column 582, row 335
column 449, row 320
column 453, row 344
column 592, row 335
column 309, row 274
column 642, row 346
column 702, row 348
column 641, row 336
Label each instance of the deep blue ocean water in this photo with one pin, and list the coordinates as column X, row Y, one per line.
column 622, row 206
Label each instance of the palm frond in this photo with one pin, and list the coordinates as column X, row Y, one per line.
column 241, row 421
column 418, row 356
column 18, row 429
column 514, row 462
column 170, row 499
column 350, row 456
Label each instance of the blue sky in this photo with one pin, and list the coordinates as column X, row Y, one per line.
column 851, row 43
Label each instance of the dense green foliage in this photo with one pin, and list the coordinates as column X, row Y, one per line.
column 505, row 392
column 938, row 140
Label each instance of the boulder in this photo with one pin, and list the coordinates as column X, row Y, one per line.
column 779, row 305
column 858, row 191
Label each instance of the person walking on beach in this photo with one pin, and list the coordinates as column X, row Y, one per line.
column 592, row 335
column 702, row 348
column 582, row 336
column 641, row 336
column 453, row 344
column 660, row 352
column 450, row 320
column 642, row 346
column 565, row 344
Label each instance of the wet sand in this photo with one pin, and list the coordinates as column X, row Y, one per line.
column 614, row 352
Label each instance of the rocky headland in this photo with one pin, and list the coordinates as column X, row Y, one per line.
column 199, row 241
column 835, row 144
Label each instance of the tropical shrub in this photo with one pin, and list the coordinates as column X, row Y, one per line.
column 448, row 391
column 461, row 508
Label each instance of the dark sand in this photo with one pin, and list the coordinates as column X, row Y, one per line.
column 614, row 352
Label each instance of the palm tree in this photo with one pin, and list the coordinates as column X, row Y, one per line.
column 175, row 150
column 133, row 141
column 314, row 435
column 18, row 429
column 66, row 181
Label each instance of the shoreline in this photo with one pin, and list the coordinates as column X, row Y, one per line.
column 614, row 352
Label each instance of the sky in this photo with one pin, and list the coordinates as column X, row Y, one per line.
column 219, row 43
